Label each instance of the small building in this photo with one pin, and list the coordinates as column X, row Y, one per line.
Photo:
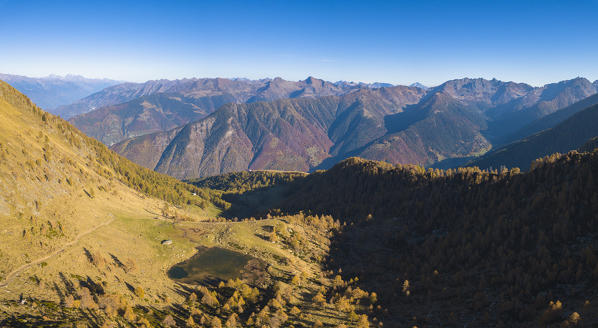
column 166, row 242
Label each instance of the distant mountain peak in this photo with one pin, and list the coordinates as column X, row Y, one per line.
column 377, row 85
column 438, row 100
column 314, row 81
column 580, row 79
column 419, row 85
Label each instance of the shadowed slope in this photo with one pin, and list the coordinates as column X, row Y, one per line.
column 570, row 134
column 465, row 247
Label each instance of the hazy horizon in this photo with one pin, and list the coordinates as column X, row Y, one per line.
column 64, row 76
column 398, row 43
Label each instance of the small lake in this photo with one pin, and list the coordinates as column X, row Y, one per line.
column 210, row 263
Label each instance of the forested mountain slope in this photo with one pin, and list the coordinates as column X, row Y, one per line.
column 456, row 247
column 439, row 127
column 240, row 182
column 145, row 115
column 516, row 114
column 465, row 247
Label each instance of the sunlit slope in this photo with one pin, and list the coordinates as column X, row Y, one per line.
column 83, row 236
column 58, row 186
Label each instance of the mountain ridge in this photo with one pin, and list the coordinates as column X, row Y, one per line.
column 119, row 107
column 263, row 132
column 398, row 125
column 243, row 90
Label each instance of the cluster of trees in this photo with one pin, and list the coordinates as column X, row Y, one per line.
column 285, row 298
column 239, row 182
column 466, row 245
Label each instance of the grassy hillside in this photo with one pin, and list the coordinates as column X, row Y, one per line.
column 91, row 239
column 59, row 186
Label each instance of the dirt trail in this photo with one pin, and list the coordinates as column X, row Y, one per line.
column 60, row 250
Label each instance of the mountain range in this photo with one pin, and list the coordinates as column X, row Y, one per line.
column 457, row 119
column 193, row 128
column 133, row 109
column 53, row 91
column 294, row 134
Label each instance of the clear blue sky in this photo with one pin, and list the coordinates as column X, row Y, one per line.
column 389, row 41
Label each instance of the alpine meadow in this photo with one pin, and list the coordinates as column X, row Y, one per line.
column 293, row 164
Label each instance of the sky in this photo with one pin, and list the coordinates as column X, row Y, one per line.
column 397, row 42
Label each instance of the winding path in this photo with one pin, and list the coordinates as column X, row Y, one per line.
column 60, row 250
